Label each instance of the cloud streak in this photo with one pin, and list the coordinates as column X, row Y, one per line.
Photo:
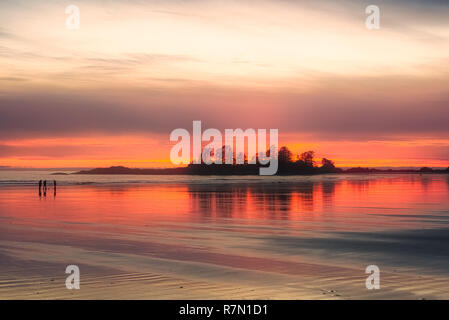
column 308, row 68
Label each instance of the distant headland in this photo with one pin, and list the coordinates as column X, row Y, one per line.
column 302, row 164
column 246, row 170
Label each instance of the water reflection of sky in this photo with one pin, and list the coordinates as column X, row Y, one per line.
column 395, row 220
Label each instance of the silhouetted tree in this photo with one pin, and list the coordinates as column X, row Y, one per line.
column 285, row 155
column 327, row 164
column 307, row 158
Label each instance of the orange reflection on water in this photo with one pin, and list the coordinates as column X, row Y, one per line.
column 339, row 204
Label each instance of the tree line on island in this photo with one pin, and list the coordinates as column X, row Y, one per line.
column 288, row 164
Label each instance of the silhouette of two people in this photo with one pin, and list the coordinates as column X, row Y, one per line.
column 43, row 187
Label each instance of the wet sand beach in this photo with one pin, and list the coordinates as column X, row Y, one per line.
column 232, row 238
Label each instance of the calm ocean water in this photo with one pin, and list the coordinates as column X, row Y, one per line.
column 30, row 178
column 396, row 221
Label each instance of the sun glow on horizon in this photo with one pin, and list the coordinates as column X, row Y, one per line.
column 111, row 92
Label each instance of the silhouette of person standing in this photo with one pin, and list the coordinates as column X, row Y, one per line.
column 45, row 188
column 40, row 187
column 54, row 187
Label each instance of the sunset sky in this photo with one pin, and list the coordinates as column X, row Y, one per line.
column 111, row 92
